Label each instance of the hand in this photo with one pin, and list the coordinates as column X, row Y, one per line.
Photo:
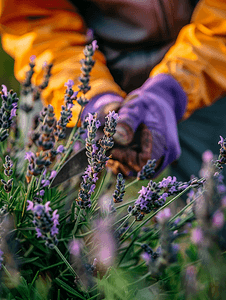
column 147, row 126
column 102, row 104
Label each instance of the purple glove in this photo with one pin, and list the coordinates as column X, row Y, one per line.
column 150, row 116
column 102, row 104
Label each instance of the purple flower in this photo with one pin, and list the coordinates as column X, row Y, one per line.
column 4, row 90
column 30, row 205
column 38, row 231
column 75, row 247
column 143, row 191
column 94, row 45
column 218, row 219
column 95, row 148
column 165, row 182
column 163, row 215
column 221, row 188
column 92, row 188
column 45, row 64
column 69, row 106
column 53, row 174
column 41, row 193
column 32, row 58
column 45, row 183
column 221, row 142
column 47, row 208
column 55, row 217
column 164, row 196
column 69, row 84
column 207, row 156
column 74, row 96
column 54, row 230
column 197, row 236
column 95, row 177
column 60, row 149
column 146, row 257
column 113, row 115
column 89, row 34
column 30, row 156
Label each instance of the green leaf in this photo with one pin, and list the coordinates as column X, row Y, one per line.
column 67, row 288
column 152, row 292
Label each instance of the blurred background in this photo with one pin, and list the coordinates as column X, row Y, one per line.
column 6, row 71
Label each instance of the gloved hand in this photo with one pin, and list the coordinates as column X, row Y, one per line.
column 147, row 126
column 102, row 104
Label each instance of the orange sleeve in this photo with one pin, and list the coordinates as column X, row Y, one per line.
column 53, row 31
column 198, row 58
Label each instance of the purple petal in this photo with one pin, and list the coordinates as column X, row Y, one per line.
column 74, row 96
column 45, row 183
column 94, row 45
column 32, row 58
column 4, row 90
column 69, row 84
column 53, row 174
column 13, row 113
column 75, row 247
column 54, row 230
column 197, row 236
column 30, row 205
column 221, row 142
column 47, row 208
column 218, row 219
column 113, row 115
column 38, row 231
column 29, row 155
column 60, row 149
column 41, row 193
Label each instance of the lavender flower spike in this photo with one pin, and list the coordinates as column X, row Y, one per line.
column 45, row 222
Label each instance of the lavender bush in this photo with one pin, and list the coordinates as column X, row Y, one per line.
column 76, row 241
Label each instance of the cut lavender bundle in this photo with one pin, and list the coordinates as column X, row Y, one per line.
column 66, row 113
column 222, row 156
column 120, row 189
column 97, row 157
column 8, row 172
column 87, row 65
column 37, row 163
column 28, row 88
column 45, row 222
column 148, row 171
column 7, row 111
column 154, row 195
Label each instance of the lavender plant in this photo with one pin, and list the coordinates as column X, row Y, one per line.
column 67, row 243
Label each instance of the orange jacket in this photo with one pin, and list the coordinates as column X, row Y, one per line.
column 54, row 31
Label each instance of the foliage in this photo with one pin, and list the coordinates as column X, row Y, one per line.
column 78, row 242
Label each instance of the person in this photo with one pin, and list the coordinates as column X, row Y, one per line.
column 158, row 63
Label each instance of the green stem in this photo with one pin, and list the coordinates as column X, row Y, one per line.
column 125, row 204
column 151, row 216
column 28, row 194
column 142, row 278
column 131, row 183
column 131, row 225
column 65, row 261
column 127, row 218
column 100, row 187
column 76, row 222
column 74, row 128
column 120, row 220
